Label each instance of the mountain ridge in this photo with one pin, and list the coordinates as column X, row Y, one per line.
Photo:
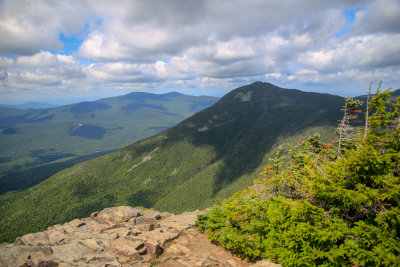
column 208, row 156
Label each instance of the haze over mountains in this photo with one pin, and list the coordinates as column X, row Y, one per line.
column 29, row 105
column 207, row 156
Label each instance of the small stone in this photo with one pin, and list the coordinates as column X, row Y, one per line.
column 152, row 214
column 146, row 220
column 175, row 263
column 154, row 248
column 77, row 223
column 94, row 214
column 125, row 244
column 55, row 236
column 231, row 263
column 133, row 232
column 47, row 264
column 93, row 244
column 142, row 250
column 265, row 263
column 124, row 256
column 212, row 258
column 145, row 227
column 103, row 261
column 115, row 226
column 178, row 249
column 165, row 215
column 184, row 241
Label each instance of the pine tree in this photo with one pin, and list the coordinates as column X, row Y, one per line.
column 321, row 210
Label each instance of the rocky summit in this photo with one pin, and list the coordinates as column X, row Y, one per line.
column 121, row 236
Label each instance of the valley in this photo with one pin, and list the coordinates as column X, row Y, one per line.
column 36, row 143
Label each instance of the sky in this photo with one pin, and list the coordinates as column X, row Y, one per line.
column 70, row 51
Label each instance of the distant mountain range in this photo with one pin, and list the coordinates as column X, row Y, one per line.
column 189, row 166
column 64, row 135
column 29, row 105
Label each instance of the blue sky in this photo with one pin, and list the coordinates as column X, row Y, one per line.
column 350, row 15
column 69, row 51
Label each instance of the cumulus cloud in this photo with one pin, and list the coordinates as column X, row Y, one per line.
column 379, row 16
column 371, row 51
column 26, row 27
column 197, row 44
column 143, row 31
column 41, row 70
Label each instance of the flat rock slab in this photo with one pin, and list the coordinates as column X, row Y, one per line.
column 121, row 236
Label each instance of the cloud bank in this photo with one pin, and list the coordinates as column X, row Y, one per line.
column 199, row 47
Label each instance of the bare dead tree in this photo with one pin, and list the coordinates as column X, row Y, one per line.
column 367, row 109
column 345, row 131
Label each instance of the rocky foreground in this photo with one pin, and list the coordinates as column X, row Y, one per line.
column 121, row 236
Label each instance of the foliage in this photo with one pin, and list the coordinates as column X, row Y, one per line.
column 321, row 209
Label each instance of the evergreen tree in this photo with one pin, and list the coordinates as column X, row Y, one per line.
column 325, row 207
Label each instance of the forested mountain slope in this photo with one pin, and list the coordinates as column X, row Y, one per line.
column 207, row 156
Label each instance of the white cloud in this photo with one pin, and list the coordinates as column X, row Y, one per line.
column 307, row 72
column 275, row 75
column 151, row 45
column 6, row 62
column 368, row 51
column 43, row 70
column 44, row 59
column 234, row 50
column 26, row 27
column 379, row 16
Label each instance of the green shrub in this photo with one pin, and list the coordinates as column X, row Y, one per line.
column 320, row 206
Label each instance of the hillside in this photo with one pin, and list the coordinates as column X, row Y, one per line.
column 61, row 136
column 211, row 155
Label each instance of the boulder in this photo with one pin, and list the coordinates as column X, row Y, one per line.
column 153, row 248
column 178, row 249
column 180, row 222
column 73, row 252
column 36, row 239
column 19, row 255
column 116, row 215
column 145, row 227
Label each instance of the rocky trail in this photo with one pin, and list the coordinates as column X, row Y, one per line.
column 121, row 236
